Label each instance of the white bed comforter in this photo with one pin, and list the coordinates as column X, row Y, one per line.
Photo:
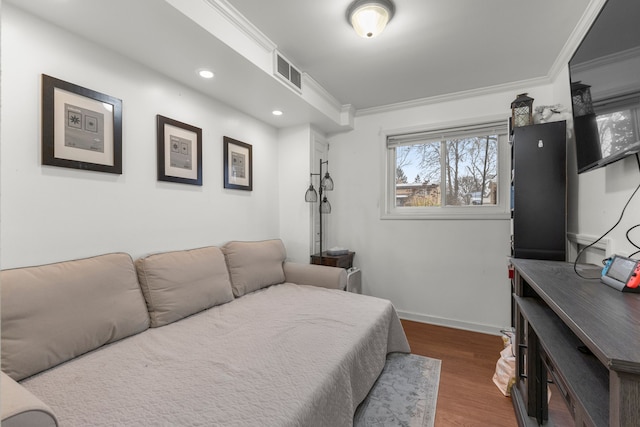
column 287, row 355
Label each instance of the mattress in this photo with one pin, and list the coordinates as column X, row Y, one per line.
column 287, row 355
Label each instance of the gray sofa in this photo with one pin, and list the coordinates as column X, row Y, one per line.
column 231, row 336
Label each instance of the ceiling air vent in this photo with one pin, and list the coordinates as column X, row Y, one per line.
column 288, row 72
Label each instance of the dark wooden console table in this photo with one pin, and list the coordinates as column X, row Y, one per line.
column 342, row 261
column 579, row 334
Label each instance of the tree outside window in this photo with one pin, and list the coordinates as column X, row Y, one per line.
column 468, row 167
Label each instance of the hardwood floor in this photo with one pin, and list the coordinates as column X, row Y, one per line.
column 467, row 395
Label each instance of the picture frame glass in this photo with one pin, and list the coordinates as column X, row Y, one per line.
column 181, row 152
column 238, row 161
column 238, row 165
column 83, row 128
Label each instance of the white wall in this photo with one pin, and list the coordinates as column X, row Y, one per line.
column 454, row 272
column 450, row 272
column 295, row 219
column 51, row 213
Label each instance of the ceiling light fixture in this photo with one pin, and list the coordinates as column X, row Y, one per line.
column 205, row 74
column 370, row 17
column 276, row 112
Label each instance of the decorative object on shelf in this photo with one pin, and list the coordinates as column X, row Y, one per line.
column 581, row 99
column 522, row 111
column 179, row 152
column 311, row 196
column 370, row 17
column 238, row 165
column 81, row 128
column 551, row 113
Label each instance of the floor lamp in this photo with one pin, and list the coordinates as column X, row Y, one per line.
column 311, row 196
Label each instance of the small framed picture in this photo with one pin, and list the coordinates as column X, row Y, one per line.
column 238, row 165
column 179, row 152
column 81, row 128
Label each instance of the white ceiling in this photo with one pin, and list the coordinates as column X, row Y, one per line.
column 430, row 48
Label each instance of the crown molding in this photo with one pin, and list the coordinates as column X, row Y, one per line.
column 575, row 38
column 311, row 84
column 233, row 16
column 438, row 99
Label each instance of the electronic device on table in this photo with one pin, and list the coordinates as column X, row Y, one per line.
column 622, row 274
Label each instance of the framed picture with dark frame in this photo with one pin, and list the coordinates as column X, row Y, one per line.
column 81, row 128
column 179, row 152
column 238, row 165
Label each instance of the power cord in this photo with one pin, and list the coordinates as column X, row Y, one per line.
column 575, row 263
column 632, row 242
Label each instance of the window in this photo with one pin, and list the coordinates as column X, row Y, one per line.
column 448, row 173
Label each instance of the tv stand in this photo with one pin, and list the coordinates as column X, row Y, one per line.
column 579, row 334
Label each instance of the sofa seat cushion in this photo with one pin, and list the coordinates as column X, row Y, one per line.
column 53, row 313
column 286, row 355
column 254, row 265
column 181, row 283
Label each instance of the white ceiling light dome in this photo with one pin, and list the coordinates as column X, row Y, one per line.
column 370, row 17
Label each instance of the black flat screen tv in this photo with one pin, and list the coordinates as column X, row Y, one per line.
column 605, row 87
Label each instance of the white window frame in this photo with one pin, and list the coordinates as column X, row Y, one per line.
column 392, row 138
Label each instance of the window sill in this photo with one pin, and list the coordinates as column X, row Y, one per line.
column 475, row 214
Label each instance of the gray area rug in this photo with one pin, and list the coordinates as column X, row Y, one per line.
column 405, row 394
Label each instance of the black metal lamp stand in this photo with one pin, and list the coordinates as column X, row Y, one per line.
column 326, row 184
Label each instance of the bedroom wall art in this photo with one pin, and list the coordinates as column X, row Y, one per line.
column 81, row 128
column 238, row 165
column 179, row 152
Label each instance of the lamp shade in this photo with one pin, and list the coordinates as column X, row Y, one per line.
column 325, row 206
column 327, row 182
column 370, row 17
column 311, row 195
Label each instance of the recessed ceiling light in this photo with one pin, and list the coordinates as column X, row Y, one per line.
column 206, row 74
column 276, row 112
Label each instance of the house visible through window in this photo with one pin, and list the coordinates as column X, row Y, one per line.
column 443, row 172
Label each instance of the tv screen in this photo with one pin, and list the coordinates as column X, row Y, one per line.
column 605, row 87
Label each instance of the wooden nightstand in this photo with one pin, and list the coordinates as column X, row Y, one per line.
column 342, row 261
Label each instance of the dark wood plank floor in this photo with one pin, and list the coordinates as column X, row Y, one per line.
column 467, row 395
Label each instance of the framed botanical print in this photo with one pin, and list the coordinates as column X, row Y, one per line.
column 179, row 152
column 238, row 165
column 81, row 128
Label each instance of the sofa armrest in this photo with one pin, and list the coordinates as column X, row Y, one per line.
column 315, row 275
column 20, row 408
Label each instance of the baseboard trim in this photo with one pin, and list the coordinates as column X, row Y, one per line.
column 450, row 323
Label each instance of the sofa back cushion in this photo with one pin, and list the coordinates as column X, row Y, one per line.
column 178, row 284
column 53, row 313
column 254, row 265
